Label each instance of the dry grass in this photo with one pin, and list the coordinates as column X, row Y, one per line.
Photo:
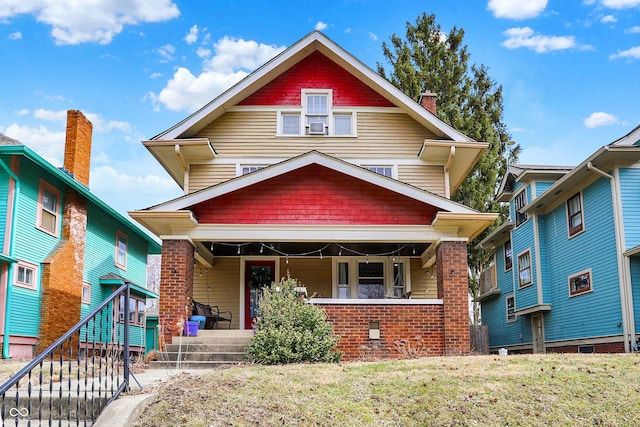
column 540, row 390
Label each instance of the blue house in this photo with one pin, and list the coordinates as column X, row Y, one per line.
column 63, row 250
column 565, row 275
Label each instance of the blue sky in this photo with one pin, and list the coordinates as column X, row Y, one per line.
column 570, row 70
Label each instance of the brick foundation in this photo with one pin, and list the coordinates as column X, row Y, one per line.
column 418, row 324
column 176, row 286
column 608, row 347
column 453, row 289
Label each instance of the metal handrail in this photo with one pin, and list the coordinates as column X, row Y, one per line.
column 93, row 354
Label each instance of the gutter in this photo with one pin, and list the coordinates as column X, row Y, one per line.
column 12, row 233
column 627, row 317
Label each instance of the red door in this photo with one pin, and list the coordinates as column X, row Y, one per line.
column 257, row 274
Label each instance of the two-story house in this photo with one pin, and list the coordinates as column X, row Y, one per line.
column 317, row 166
column 63, row 249
column 566, row 271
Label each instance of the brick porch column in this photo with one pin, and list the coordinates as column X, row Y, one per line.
column 176, row 285
column 453, row 288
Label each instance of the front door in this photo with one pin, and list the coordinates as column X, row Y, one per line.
column 257, row 274
column 537, row 323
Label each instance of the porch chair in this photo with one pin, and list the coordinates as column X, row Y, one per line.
column 212, row 314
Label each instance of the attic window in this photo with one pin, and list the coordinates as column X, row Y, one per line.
column 316, row 117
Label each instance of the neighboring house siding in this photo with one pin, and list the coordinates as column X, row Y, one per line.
column 5, row 213
column 635, row 289
column 630, row 195
column 522, row 241
column 542, row 186
column 595, row 313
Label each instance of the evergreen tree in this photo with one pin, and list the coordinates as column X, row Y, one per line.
column 468, row 100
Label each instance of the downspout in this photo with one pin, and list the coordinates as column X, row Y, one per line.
column 627, row 323
column 12, row 233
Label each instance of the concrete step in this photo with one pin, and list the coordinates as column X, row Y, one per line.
column 209, row 340
column 186, row 365
column 218, row 348
column 213, row 356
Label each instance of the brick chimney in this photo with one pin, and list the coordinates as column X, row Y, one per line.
column 77, row 148
column 62, row 270
column 428, row 100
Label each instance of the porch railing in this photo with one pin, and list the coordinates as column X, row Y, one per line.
column 74, row 379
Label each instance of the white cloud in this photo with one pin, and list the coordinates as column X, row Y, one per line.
column 233, row 60
column 48, row 144
column 516, row 9
column 599, row 118
column 192, row 36
column 15, row 36
column 155, row 75
column 166, row 52
column 23, row 112
column 320, row 26
column 52, row 116
column 608, row 19
column 525, row 37
column 372, row 36
column 632, row 53
column 128, row 192
column 633, row 30
column 97, row 21
column 620, row 4
column 203, row 52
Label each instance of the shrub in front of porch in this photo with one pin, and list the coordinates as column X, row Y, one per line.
column 289, row 330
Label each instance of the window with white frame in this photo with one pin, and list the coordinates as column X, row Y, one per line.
column 574, row 214
column 316, row 112
column 290, row 124
column 519, row 201
column 245, row 169
column 342, row 124
column 580, row 283
column 48, row 219
column 122, row 247
column 25, row 275
column 524, row 269
column 508, row 256
column 382, row 170
column 316, row 117
column 511, row 308
column 364, row 278
column 86, row 293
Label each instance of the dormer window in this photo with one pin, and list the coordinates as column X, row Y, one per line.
column 317, row 117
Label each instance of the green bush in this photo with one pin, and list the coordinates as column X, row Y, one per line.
column 289, row 330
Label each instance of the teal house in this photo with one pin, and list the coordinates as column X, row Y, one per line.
column 63, row 250
column 565, row 275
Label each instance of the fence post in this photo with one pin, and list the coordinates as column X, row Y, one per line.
column 127, row 296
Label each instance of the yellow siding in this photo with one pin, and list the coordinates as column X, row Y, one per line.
column 314, row 273
column 430, row 178
column 220, row 286
column 252, row 134
column 203, row 176
column 422, row 284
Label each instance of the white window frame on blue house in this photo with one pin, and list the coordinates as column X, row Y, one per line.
column 511, row 308
column 521, row 284
column 577, row 280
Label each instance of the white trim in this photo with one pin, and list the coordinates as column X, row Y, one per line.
column 313, row 157
column 530, row 269
column 35, row 275
column 354, row 261
column 536, row 245
column 241, row 285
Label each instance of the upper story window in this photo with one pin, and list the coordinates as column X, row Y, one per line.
column 122, row 245
column 574, row 215
column 48, row 219
column 508, row 256
column 245, row 169
column 382, row 170
column 524, row 269
column 519, row 201
column 317, row 116
column 25, row 275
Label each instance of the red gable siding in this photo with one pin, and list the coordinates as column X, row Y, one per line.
column 314, row 195
column 316, row 71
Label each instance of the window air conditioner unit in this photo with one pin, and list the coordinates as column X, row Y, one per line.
column 316, row 128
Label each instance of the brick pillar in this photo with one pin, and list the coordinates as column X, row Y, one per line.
column 62, row 274
column 453, row 289
column 176, row 285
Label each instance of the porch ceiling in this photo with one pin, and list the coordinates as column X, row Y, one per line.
column 313, row 249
